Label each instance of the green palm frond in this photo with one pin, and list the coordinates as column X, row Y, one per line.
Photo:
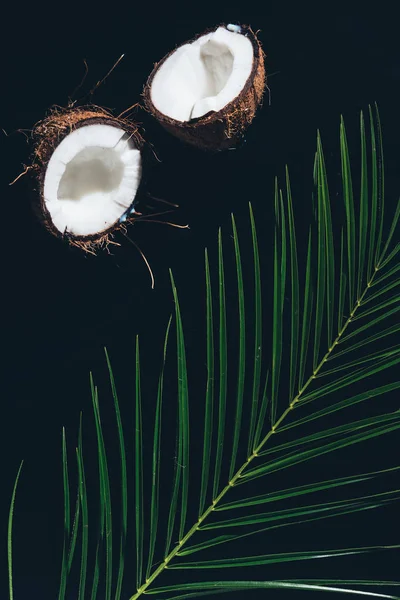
column 279, row 401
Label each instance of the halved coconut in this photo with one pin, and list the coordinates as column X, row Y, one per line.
column 90, row 168
column 207, row 91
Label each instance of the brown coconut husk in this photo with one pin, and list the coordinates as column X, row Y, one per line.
column 222, row 129
column 47, row 135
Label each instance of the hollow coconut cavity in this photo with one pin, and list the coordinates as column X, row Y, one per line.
column 90, row 169
column 207, row 91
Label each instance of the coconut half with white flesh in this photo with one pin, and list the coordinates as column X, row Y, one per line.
column 207, row 91
column 90, row 169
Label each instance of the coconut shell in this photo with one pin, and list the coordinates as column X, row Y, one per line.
column 47, row 135
column 224, row 128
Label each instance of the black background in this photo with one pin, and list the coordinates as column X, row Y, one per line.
column 61, row 307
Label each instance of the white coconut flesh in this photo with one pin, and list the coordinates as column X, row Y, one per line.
column 91, row 179
column 204, row 75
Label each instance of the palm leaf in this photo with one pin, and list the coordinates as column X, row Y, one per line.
column 67, row 519
column 257, row 416
column 155, row 489
column 242, row 353
column 105, row 505
column 223, row 367
column 319, row 308
column 83, row 500
column 124, row 484
column 182, row 465
column 212, row 587
column 209, row 399
column 139, row 533
column 294, row 279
